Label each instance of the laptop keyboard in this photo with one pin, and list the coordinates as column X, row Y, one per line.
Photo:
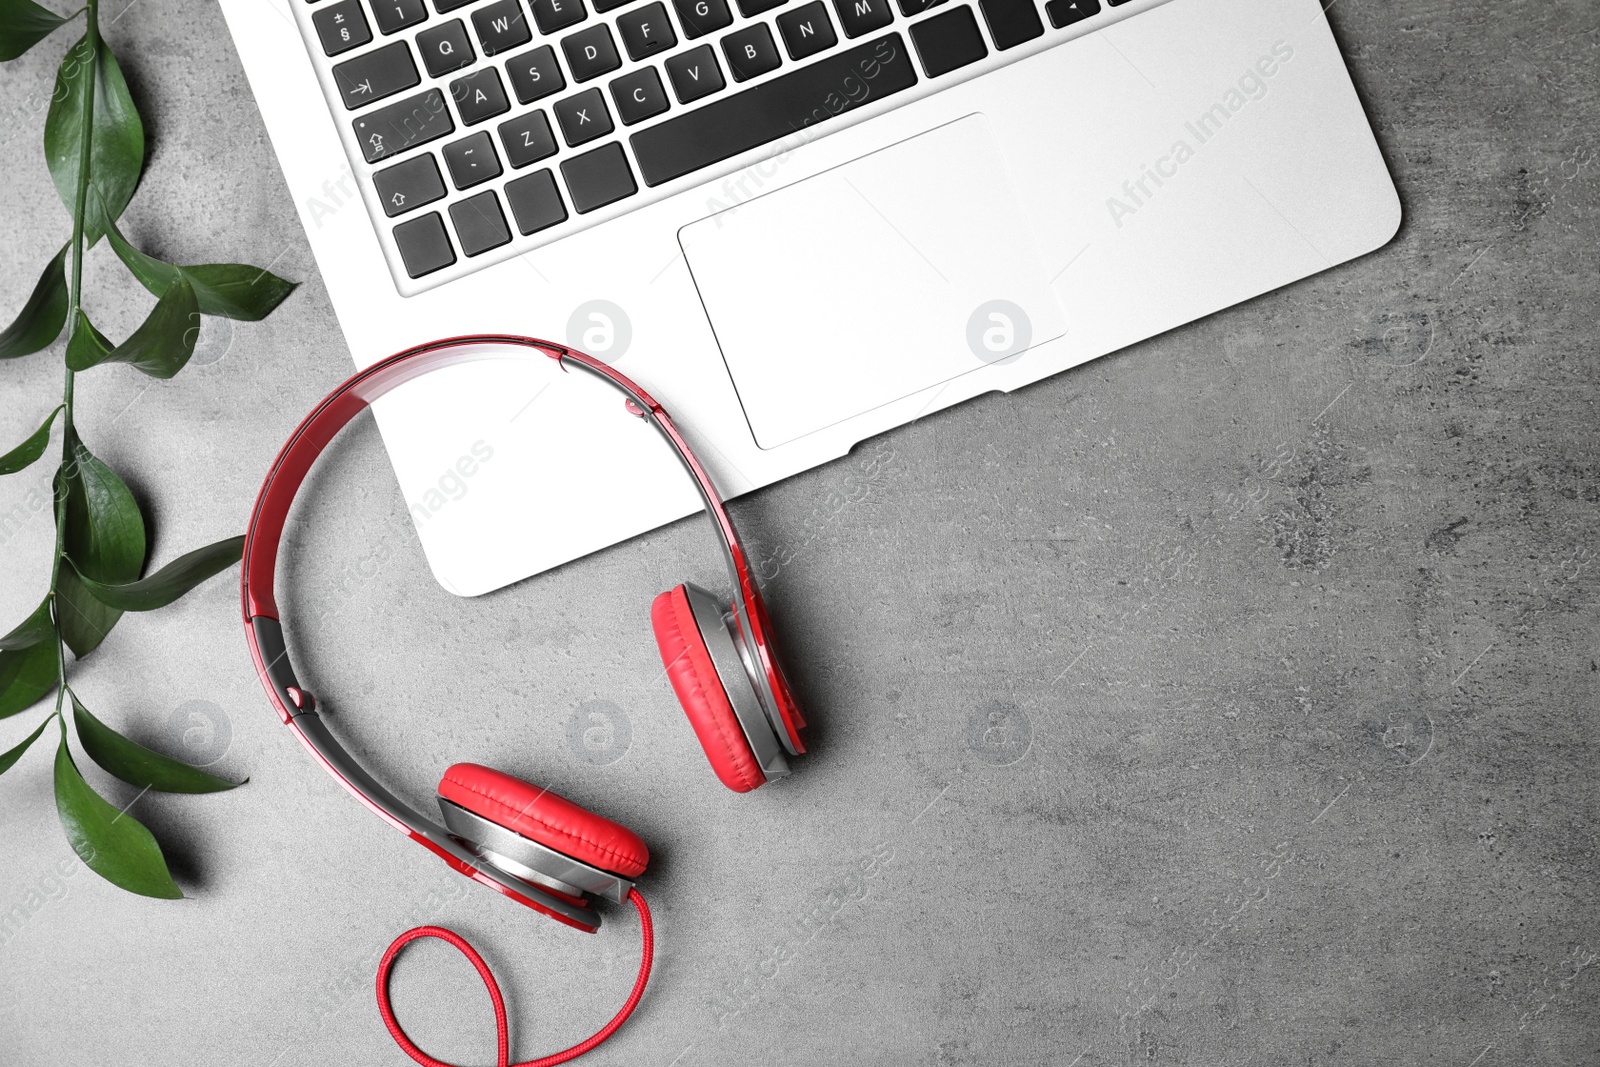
column 486, row 125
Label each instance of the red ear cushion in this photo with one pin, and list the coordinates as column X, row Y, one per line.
column 548, row 818
column 694, row 679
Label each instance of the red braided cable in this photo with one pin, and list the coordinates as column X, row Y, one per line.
column 502, row 1036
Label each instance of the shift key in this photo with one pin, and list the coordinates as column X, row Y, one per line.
column 404, row 124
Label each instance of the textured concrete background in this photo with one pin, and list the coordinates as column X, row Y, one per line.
column 1230, row 700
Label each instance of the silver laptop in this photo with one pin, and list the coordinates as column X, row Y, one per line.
column 798, row 223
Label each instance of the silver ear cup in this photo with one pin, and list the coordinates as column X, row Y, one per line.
column 529, row 860
column 720, row 632
column 759, row 682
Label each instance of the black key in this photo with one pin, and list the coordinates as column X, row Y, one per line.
column 583, row 117
column 694, row 74
column 948, row 41
column 863, row 16
column 773, row 109
column 342, row 27
column 806, row 30
column 479, row 96
column 424, row 245
column 471, row 161
column 527, row 139
column 646, row 31
column 442, row 6
column 1066, row 12
column 591, row 53
column 553, row 15
column 1011, row 22
column 747, row 8
column 376, row 74
column 639, row 95
column 479, row 224
column 535, row 74
column 501, row 26
column 598, row 178
column 395, row 15
column 750, row 52
column 535, row 202
column 917, row 7
column 700, row 17
column 445, row 48
column 407, row 186
column 403, row 124
column 608, row 5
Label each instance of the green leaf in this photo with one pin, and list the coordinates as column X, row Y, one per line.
column 134, row 763
column 10, row 757
column 232, row 290
column 114, row 844
column 85, row 621
column 160, row 346
column 30, row 631
column 39, row 322
column 236, row 290
column 105, row 531
column 151, row 272
column 24, row 24
column 172, row 581
column 26, row 676
column 31, row 449
column 86, row 346
column 103, row 536
column 117, row 148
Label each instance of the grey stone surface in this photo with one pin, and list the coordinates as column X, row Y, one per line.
column 1230, row 700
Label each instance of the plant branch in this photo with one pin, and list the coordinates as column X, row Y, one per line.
column 94, row 148
column 91, row 40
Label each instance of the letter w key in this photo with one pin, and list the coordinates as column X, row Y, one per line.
column 501, row 25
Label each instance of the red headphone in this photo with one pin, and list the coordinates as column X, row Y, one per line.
column 528, row 843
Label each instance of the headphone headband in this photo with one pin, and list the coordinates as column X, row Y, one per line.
column 358, row 393
column 297, row 707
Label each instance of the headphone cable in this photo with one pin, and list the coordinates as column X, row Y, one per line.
column 502, row 1035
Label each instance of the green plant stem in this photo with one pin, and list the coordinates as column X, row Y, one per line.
column 80, row 206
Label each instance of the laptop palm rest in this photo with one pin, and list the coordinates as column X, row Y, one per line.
column 870, row 282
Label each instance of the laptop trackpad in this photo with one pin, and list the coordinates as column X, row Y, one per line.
column 871, row 281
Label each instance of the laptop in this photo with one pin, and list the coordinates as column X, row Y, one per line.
column 798, row 223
